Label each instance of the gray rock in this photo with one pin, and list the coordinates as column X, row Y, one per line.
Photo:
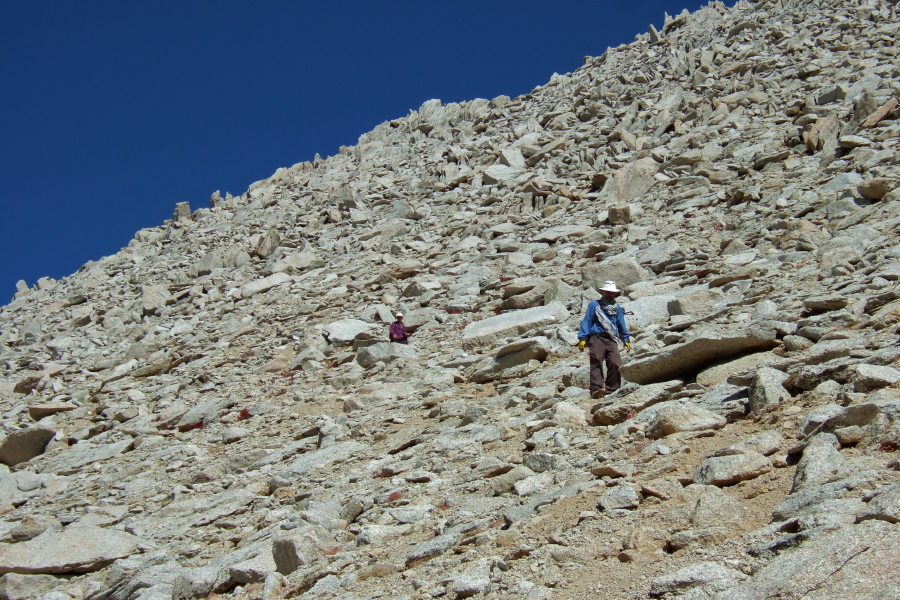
column 268, row 244
column 302, row 547
column 706, row 578
column 622, row 496
column 26, row 587
column 78, row 550
column 767, row 389
column 692, row 356
column 155, row 297
column 234, row 434
column 872, row 377
column 487, row 331
column 204, row 413
column 433, row 547
column 885, row 506
column 264, row 284
column 345, row 331
column 821, row 463
column 325, row 457
column 624, row 406
column 677, row 418
column 509, row 359
column 625, row 271
column 385, row 352
column 766, row 442
column 853, row 562
column 25, row 444
column 80, row 455
column 474, row 580
column 540, row 462
column 731, row 468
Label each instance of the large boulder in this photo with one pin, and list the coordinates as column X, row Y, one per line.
column 625, row 271
column 386, row 352
column 492, row 329
column 631, row 181
column 510, row 359
column 687, row 358
column 25, row 444
column 343, row 332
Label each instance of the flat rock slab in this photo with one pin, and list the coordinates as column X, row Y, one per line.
column 856, row 562
column 264, row 284
column 39, row 411
column 324, row 457
column 693, row 356
column 72, row 550
column 487, row 331
column 80, row 455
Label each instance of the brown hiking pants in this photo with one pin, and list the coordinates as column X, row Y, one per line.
column 604, row 349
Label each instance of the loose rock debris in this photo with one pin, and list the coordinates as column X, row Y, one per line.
column 215, row 409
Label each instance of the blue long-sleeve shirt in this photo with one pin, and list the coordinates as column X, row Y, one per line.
column 590, row 326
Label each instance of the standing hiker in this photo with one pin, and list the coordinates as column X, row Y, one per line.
column 601, row 329
column 398, row 330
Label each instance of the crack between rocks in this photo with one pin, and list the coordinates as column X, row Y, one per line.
column 830, row 575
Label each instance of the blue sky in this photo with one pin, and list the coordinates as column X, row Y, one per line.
column 111, row 112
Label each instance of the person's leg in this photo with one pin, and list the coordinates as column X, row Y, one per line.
column 613, row 365
column 597, row 351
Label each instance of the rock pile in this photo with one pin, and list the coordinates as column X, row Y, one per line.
column 215, row 410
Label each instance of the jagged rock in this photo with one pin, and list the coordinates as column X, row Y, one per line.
column 78, row 550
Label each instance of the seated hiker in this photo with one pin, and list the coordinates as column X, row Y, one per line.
column 398, row 330
column 601, row 329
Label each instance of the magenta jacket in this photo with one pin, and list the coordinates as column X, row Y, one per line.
column 398, row 333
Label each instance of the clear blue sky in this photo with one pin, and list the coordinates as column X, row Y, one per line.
column 111, row 111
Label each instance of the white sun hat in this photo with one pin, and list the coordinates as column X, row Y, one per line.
column 610, row 286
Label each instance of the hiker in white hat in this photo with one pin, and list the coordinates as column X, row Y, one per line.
column 398, row 330
column 601, row 329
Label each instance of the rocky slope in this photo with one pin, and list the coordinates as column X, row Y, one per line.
column 214, row 410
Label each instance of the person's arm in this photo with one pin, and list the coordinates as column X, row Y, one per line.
column 623, row 329
column 585, row 328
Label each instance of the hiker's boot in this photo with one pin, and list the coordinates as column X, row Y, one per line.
column 597, row 394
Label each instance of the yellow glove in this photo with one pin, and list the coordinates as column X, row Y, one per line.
column 628, row 345
column 581, row 345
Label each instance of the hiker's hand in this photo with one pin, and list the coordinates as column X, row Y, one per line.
column 628, row 346
column 581, row 346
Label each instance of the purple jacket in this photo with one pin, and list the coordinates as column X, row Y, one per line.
column 398, row 333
